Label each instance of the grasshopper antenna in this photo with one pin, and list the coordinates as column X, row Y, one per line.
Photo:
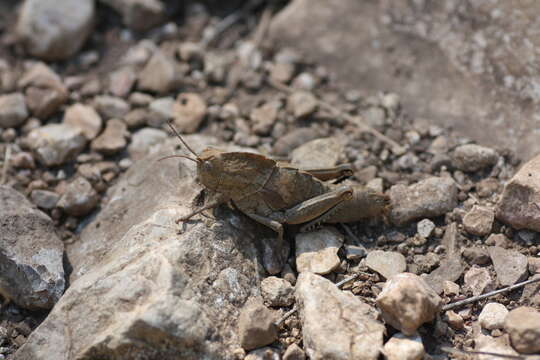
column 176, row 156
column 182, row 140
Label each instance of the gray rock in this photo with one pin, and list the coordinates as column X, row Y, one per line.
column 265, row 353
column 302, row 104
column 48, row 33
column 510, row 265
column 428, row 198
column 316, row 251
column 256, row 326
column 479, row 220
column 492, row 316
column 374, row 117
column 523, row 326
column 352, row 333
column 189, row 111
column 515, row 206
column 111, row 107
column 161, row 111
column 143, row 140
column 159, row 74
column 122, row 81
column 354, row 252
column 478, row 280
column 44, row 90
column 471, row 157
column 290, row 141
column 31, row 253
column 401, row 347
column 294, row 352
column 425, row 227
column 317, row 153
column 85, row 118
column 44, row 199
column 449, row 270
column 264, row 117
column 139, row 14
column 182, row 292
column 13, row 111
column 113, row 138
column 386, row 263
column 499, row 345
column 79, row 198
column 56, row 144
column 407, row 301
column 277, row 292
column 476, row 255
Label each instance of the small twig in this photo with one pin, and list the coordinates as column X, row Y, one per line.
column 471, row 352
column 339, row 284
column 395, row 147
column 489, row 294
column 5, row 168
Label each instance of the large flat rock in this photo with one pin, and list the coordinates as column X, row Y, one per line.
column 464, row 64
column 143, row 287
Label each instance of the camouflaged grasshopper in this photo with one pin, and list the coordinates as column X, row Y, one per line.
column 273, row 193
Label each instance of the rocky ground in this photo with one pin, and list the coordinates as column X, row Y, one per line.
column 94, row 266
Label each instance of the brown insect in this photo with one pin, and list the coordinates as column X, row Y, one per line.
column 273, row 193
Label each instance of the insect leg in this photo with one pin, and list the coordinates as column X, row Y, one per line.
column 318, row 208
column 338, row 172
column 211, row 205
column 272, row 224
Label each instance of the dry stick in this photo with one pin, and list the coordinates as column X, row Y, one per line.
column 489, row 294
column 5, row 168
column 339, row 284
column 395, row 147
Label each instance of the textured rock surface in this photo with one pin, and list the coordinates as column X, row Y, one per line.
column 31, row 269
column 477, row 76
column 428, row 198
column 407, row 302
column 317, row 153
column 401, row 347
column 518, row 205
column 479, row 220
column 13, row 111
column 510, row 265
column 472, row 157
column 138, row 284
column 317, row 251
column 48, row 33
column 256, row 325
column 523, row 326
column 352, row 332
column 56, row 144
column 493, row 316
column 386, row 263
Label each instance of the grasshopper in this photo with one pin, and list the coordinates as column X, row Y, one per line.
column 274, row 193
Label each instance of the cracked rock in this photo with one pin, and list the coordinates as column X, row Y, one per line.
column 428, row 198
column 407, row 301
column 316, row 251
column 352, row 333
column 31, row 253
